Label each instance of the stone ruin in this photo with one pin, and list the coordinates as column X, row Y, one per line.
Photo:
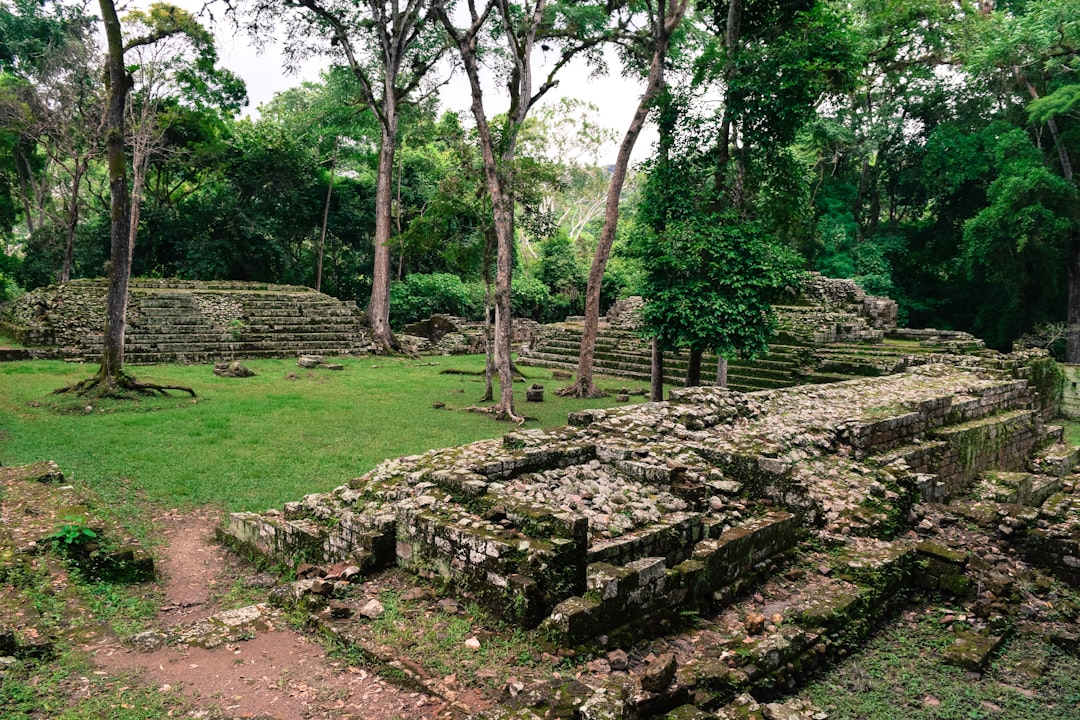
column 449, row 335
column 831, row 331
column 186, row 321
column 790, row 522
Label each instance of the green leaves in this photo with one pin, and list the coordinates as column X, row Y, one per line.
column 1061, row 101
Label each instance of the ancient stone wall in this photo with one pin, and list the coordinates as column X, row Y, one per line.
column 189, row 321
column 642, row 509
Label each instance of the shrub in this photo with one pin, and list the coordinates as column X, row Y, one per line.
column 420, row 296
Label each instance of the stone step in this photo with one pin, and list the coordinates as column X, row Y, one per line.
column 742, row 384
column 1019, row 488
column 619, row 594
column 1057, row 460
column 797, row 621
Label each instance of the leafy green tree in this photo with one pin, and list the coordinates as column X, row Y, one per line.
column 710, row 274
column 517, row 27
column 390, row 47
column 327, row 117
column 1031, row 51
column 167, row 21
column 1027, row 227
column 662, row 19
column 50, row 113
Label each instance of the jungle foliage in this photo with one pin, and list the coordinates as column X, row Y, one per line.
column 922, row 148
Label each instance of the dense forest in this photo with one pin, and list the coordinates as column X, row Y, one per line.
column 921, row 147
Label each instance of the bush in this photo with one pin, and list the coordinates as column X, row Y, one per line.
column 421, row 296
column 531, row 298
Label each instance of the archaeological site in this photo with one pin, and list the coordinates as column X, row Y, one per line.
column 697, row 558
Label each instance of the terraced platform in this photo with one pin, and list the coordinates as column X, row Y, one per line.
column 832, row 332
column 182, row 321
column 791, row 523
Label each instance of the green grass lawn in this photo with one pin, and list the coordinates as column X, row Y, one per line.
column 254, row 443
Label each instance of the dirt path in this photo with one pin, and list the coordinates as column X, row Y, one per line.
column 278, row 673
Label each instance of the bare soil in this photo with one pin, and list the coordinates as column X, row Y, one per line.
column 278, row 673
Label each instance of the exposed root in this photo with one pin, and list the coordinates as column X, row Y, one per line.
column 499, row 414
column 581, row 390
column 120, row 387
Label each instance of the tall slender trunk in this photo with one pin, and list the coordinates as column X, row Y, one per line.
column 721, row 371
column 666, row 23
column 1072, row 310
column 656, row 380
column 325, row 220
column 379, row 308
column 693, row 368
column 22, row 169
column 73, row 219
column 112, row 351
column 139, row 166
column 326, row 217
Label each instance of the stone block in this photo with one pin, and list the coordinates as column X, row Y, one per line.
column 971, row 651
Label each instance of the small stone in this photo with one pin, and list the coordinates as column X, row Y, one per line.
column 472, row 643
column 322, row 587
column 618, row 660
column 755, row 623
column 415, row 593
column 372, row 609
column 306, row 570
column 147, row 641
column 659, row 673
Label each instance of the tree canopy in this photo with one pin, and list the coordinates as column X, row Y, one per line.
column 925, row 149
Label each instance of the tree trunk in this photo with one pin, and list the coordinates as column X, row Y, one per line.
column 325, row 219
column 1072, row 311
column 379, row 307
column 73, row 220
column 721, row 371
column 1072, row 323
column 584, row 386
column 112, row 351
column 656, row 381
column 693, row 368
column 138, row 182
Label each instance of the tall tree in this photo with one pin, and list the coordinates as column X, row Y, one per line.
column 391, row 46
column 50, row 108
column 662, row 19
column 1033, row 49
column 167, row 21
column 519, row 27
column 711, row 274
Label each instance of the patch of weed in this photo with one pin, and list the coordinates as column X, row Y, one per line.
column 899, row 675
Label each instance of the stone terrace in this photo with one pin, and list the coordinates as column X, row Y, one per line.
column 632, row 515
column 189, row 321
column 832, row 331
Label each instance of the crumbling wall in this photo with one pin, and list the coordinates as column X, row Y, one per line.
column 189, row 321
column 643, row 509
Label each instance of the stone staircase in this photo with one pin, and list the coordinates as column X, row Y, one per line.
column 181, row 321
column 832, row 331
column 791, row 523
column 623, row 353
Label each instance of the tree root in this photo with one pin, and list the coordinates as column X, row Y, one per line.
column 581, row 390
column 498, row 414
column 121, row 387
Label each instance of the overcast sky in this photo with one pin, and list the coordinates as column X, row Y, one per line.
column 264, row 72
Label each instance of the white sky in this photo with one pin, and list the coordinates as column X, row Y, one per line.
column 264, row 73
